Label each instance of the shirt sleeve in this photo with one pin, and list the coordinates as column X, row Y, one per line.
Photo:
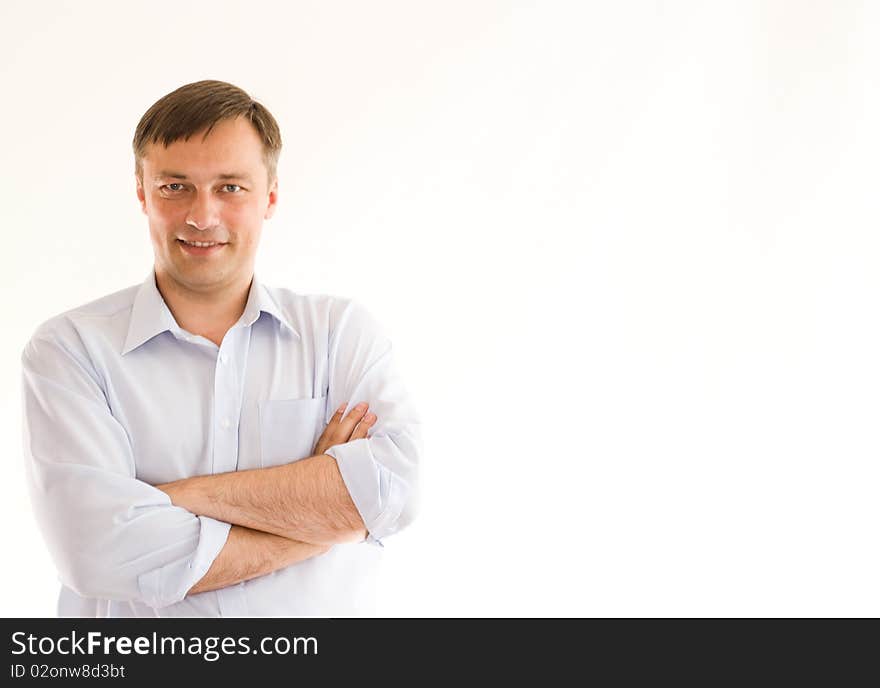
column 381, row 471
column 110, row 535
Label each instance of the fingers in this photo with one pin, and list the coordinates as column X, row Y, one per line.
column 339, row 412
column 342, row 429
column 360, row 432
column 325, row 440
column 348, row 424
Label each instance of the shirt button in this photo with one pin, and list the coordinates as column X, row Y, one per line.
column 225, row 424
column 223, row 358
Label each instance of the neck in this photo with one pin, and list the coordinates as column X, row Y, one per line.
column 208, row 314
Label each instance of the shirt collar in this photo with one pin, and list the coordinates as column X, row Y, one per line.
column 150, row 314
column 260, row 300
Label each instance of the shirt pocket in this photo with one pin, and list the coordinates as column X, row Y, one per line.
column 289, row 429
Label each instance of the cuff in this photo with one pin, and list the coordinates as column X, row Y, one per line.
column 170, row 583
column 374, row 489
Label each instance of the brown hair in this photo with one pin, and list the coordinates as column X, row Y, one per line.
column 199, row 106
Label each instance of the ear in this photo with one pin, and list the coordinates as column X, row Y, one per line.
column 140, row 194
column 273, row 199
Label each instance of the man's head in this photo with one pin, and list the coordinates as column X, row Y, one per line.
column 205, row 166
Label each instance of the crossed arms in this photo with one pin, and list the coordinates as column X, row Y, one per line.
column 280, row 515
column 114, row 535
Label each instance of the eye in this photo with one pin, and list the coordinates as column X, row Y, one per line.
column 231, row 188
column 174, row 187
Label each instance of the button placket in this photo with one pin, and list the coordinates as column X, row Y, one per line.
column 227, row 403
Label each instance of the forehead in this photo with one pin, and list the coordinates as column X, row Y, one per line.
column 232, row 144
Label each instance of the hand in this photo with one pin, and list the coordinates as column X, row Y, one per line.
column 341, row 430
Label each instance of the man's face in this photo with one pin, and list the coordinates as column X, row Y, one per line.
column 213, row 191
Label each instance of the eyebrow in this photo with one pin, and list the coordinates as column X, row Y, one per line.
column 166, row 174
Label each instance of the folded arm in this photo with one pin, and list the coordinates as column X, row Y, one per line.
column 113, row 536
column 305, row 501
column 110, row 535
column 252, row 553
column 353, row 486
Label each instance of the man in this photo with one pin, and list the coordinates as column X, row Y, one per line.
column 202, row 444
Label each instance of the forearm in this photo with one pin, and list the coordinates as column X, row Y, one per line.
column 251, row 553
column 306, row 501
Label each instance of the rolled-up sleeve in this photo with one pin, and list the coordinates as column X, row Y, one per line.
column 110, row 535
column 381, row 471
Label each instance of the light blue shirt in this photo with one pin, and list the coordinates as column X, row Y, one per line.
column 118, row 398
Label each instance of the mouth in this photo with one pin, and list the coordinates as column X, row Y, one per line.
column 200, row 248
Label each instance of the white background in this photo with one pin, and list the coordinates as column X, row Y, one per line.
column 627, row 253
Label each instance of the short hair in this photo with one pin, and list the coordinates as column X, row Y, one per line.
column 197, row 107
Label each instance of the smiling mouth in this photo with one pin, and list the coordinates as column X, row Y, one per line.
column 202, row 244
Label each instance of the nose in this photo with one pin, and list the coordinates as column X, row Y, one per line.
column 203, row 213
